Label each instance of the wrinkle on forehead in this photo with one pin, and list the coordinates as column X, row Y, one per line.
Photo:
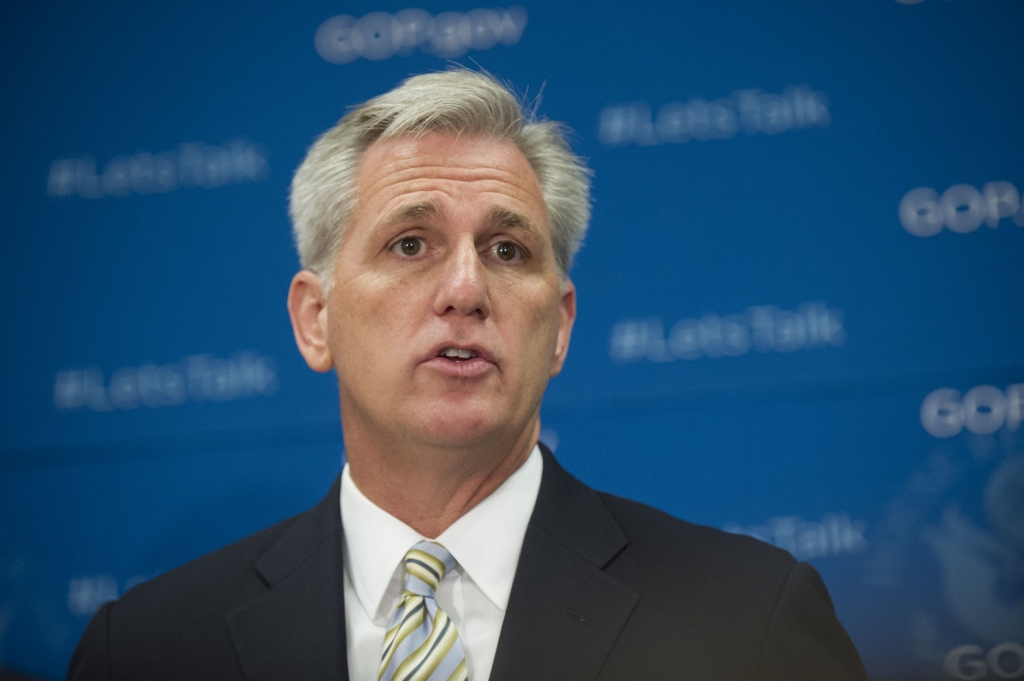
column 434, row 210
column 414, row 212
column 406, row 164
column 501, row 217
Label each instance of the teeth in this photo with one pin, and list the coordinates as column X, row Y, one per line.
column 453, row 353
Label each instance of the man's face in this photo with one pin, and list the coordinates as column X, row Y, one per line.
column 446, row 317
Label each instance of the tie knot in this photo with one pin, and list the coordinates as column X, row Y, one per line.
column 426, row 564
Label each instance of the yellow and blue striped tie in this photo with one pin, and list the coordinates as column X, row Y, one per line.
column 421, row 643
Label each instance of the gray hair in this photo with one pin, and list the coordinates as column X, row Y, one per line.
column 323, row 191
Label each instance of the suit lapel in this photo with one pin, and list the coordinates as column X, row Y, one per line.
column 296, row 629
column 563, row 617
column 564, row 612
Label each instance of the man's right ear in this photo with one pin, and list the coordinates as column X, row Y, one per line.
column 307, row 307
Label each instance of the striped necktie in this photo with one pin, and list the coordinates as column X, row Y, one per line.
column 421, row 643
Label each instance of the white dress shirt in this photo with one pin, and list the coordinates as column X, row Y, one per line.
column 485, row 542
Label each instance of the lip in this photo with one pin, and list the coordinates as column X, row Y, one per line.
column 480, row 352
column 464, row 368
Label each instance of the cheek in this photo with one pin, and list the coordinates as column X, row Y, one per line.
column 539, row 323
column 374, row 315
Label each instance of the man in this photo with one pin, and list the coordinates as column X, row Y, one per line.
column 436, row 225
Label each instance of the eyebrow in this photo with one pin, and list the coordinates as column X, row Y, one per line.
column 508, row 219
column 423, row 210
column 432, row 210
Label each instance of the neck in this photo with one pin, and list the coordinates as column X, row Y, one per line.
column 429, row 487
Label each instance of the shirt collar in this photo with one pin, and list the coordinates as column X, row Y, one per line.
column 486, row 542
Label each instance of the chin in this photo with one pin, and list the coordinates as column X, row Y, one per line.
column 459, row 426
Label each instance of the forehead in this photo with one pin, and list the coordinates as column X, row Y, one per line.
column 444, row 166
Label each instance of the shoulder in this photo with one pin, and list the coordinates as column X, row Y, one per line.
column 175, row 625
column 649, row 529
column 218, row 581
column 662, row 537
column 211, row 582
column 653, row 552
column 749, row 609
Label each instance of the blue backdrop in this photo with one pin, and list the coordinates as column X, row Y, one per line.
column 800, row 300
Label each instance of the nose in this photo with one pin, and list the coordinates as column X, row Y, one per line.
column 463, row 283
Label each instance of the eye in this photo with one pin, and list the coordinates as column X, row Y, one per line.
column 507, row 251
column 409, row 246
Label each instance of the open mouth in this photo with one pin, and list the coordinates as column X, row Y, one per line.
column 457, row 354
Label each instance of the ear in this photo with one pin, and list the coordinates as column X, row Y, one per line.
column 567, row 315
column 307, row 308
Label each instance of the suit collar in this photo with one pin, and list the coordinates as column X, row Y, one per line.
column 296, row 629
column 485, row 541
column 565, row 613
column 308, row 531
column 575, row 516
column 563, row 617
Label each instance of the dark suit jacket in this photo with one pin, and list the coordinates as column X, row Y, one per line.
column 605, row 589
